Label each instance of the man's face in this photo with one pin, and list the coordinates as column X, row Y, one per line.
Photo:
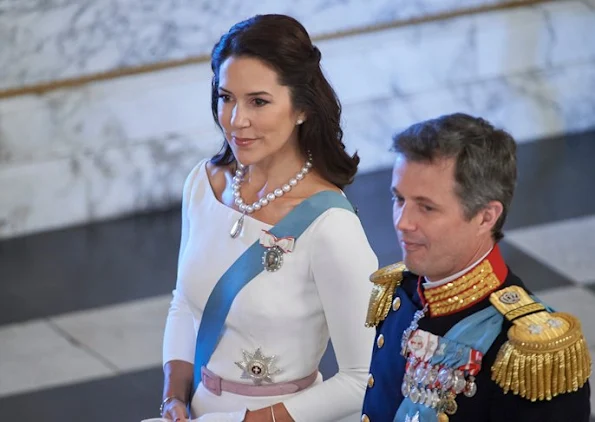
column 435, row 237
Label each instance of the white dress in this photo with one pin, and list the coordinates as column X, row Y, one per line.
column 321, row 290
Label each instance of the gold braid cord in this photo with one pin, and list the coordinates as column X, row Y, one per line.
column 385, row 282
column 546, row 353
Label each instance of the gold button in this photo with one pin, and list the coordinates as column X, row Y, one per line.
column 365, row 418
column 380, row 341
column 370, row 380
column 396, row 304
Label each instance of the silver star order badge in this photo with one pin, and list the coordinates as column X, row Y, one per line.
column 415, row 418
column 257, row 366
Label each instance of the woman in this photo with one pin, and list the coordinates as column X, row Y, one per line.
column 282, row 157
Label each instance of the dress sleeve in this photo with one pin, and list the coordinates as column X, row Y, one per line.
column 341, row 262
column 179, row 339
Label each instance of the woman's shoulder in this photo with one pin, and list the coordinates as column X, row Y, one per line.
column 336, row 221
column 338, row 231
column 194, row 176
column 217, row 176
column 318, row 184
column 339, row 217
column 202, row 177
column 214, row 171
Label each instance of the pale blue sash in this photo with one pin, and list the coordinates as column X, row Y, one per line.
column 248, row 266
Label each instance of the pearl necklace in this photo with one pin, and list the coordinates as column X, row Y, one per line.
column 237, row 227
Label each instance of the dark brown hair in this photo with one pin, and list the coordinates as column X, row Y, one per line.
column 283, row 44
column 485, row 168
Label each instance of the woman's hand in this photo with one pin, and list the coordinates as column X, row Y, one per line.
column 175, row 410
column 177, row 383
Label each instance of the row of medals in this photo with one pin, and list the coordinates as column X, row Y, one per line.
column 436, row 386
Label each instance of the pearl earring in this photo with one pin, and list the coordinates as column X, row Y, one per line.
column 300, row 121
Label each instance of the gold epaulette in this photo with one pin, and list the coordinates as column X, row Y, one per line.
column 385, row 282
column 546, row 353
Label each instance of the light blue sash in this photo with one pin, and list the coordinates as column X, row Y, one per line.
column 248, row 266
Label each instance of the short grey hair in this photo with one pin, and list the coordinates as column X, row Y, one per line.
column 485, row 158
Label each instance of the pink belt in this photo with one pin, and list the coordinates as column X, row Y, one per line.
column 215, row 384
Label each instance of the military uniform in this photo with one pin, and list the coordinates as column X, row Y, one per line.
column 479, row 348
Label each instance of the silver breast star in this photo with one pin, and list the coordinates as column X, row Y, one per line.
column 415, row 418
column 257, row 366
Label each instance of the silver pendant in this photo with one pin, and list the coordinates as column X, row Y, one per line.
column 272, row 259
column 257, row 366
column 237, row 227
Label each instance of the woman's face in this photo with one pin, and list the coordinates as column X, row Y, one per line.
column 255, row 111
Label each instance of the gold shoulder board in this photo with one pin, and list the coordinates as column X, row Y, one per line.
column 546, row 353
column 385, row 282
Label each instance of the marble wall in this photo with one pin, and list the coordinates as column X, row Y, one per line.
column 44, row 40
column 115, row 147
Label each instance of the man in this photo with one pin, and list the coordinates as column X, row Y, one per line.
column 459, row 337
